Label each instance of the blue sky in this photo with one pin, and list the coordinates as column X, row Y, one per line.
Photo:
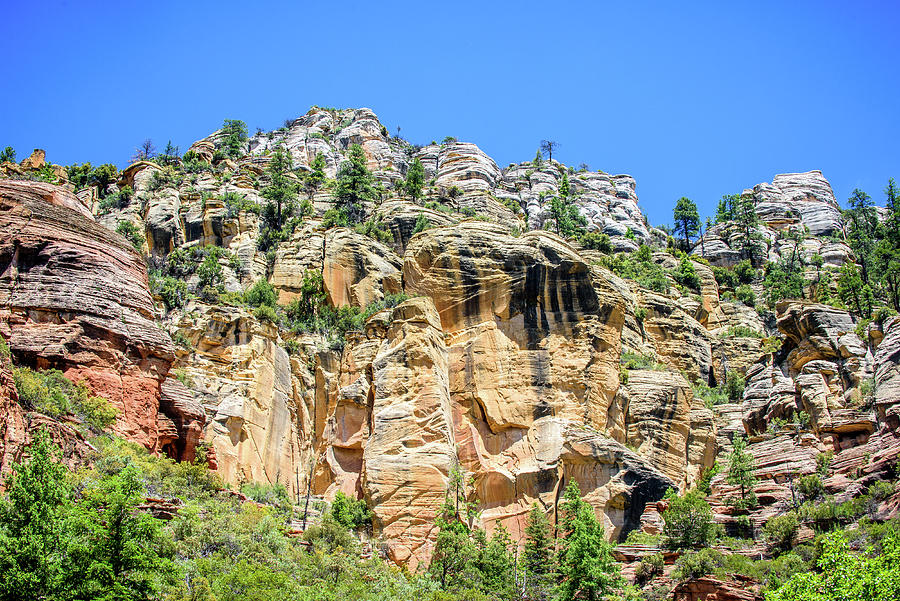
column 692, row 99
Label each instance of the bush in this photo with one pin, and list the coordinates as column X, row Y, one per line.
column 172, row 291
column 51, row 393
column 688, row 521
column 422, row 224
column 810, row 487
column 698, row 564
column 235, row 203
column 132, row 233
column 348, row 512
column 726, row 278
column 649, row 568
column 335, row 218
column 261, row 293
column 597, row 241
column 686, row 274
column 375, row 229
column 741, row 332
column 269, row 494
column 780, row 531
column 734, row 386
column 745, row 294
column 266, row 313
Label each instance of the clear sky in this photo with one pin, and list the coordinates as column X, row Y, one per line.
column 693, row 99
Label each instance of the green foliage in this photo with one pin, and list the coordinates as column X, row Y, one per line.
column 465, row 560
column 745, row 294
column 349, row 512
column 740, row 472
column 422, row 224
column 704, row 486
column 845, row 575
column 639, row 266
column 810, row 487
column 281, row 193
column 266, row 313
column 687, row 220
column 686, row 274
column 8, row 154
column 630, row 360
column 565, row 215
column 354, row 186
column 233, row 139
column 780, row 530
column 586, row 564
column 210, row 271
column 741, row 332
column 161, row 178
column 511, row 204
column 597, row 241
column 538, row 558
column 51, row 393
column 235, row 203
column 314, row 179
column 697, row 564
column 375, row 229
column 172, row 291
column 649, row 568
column 415, row 180
column 98, row 548
column 734, row 386
column 261, row 293
column 782, row 282
column 268, row 494
column 132, row 233
column 687, row 521
column 335, row 218
column 117, row 200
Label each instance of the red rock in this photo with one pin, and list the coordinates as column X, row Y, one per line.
column 738, row 588
column 75, row 297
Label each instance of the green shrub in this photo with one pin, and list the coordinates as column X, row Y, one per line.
column 422, row 224
column 635, row 361
column 698, row 564
column 436, row 206
column 269, row 494
column 597, row 241
column 375, row 229
column 686, row 274
column 687, row 521
column 511, row 204
column 726, row 278
column 51, row 393
column 745, row 294
column 348, row 512
column 132, row 233
column 235, row 203
column 649, row 568
column 810, row 487
column 780, row 531
column 261, row 293
column 266, row 313
column 335, row 218
column 637, row 537
column 734, row 386
column 173, row 292
column 741, row 332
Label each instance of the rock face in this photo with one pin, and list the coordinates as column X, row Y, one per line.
column 74, row 296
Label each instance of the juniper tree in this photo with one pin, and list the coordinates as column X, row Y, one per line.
column 547, row 148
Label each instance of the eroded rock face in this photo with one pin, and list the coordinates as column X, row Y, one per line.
column 245, row 382
column 74, row 296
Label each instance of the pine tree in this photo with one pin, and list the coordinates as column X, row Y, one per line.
column 31, row 533
column 315, row 177
column 415, row 180
column 355, row 186
column 740, row 472
column 687, row 220
column 282, row 189
column 587, row 566
column 538, row 556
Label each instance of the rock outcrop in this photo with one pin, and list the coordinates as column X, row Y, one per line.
column 74, row 296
